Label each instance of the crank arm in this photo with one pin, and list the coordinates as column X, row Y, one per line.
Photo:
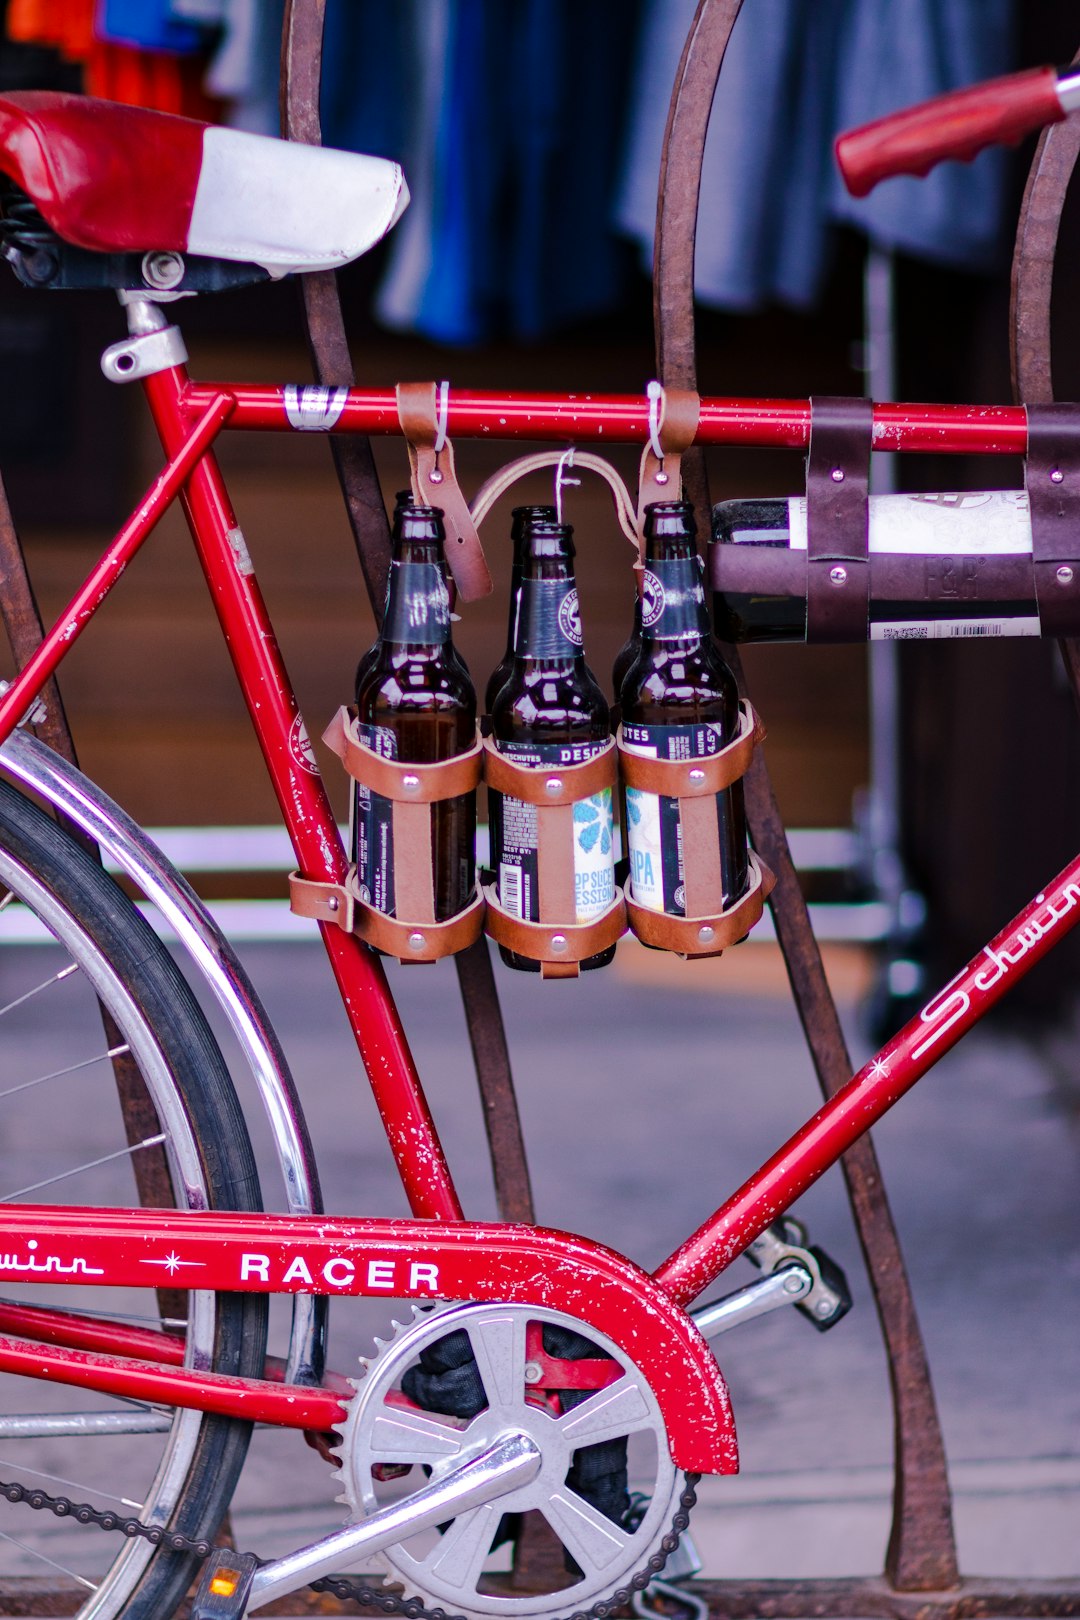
column 512, row 1461
column 784, row 1287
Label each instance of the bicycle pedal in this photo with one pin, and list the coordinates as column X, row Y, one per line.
column 224, row 1585
column 784, row 1243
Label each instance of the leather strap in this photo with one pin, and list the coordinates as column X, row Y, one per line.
column 838, row 520
column 554, row 791
column 688, row 779
column 513, row 471
column 704, row 936
column 1052, row 475
column 660, row 478
column 340, row 904
column 555, row 785
column 559, row 947
column 434, row 482
column 402, row 780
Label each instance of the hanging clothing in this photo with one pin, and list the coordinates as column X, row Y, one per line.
column 508, row 123
column 796, row 73
column 892, row 56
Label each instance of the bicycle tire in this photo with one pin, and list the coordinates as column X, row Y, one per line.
column 114, row 960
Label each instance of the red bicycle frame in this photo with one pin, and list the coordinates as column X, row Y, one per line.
column 438, row 1252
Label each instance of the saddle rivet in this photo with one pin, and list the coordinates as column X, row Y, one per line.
column 1064, row 575
column 660, row 478
column 706, row 935
column 837, row 475
column 553, row 785
column 333, row 903
column 558, row 944
column 417, row 942
column 697, row 776
column 1057, row 476
column 410, row 783
column 435, row 477
column 838, row 575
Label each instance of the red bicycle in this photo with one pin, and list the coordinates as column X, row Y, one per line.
column 574, row 1346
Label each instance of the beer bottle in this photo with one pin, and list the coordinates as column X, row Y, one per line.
column 550, row 711
column 679, row 701
column 519, row 518
column 404, row 497
column 943, row 594
column 415, row 702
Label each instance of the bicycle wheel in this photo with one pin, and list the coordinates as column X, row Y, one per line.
column 64, row 1139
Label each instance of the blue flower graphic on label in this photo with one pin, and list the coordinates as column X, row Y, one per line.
column 570, row 618
column 652, row 599
column 592, row 825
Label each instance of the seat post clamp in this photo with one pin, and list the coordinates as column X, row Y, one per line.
column 143, row 355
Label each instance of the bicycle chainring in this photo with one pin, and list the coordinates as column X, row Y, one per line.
column 387, row 1432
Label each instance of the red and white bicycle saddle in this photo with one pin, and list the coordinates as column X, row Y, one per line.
column 120, row 179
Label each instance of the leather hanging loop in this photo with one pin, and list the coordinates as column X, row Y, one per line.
column 1052, row 477
column 838, row 520
column 673, row 423
column 422, row 414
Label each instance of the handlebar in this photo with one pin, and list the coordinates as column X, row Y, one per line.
column 956, row 125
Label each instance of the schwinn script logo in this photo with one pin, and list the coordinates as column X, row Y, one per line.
column 952, row 1004
column 23, row 1265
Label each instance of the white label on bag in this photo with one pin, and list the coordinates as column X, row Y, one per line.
column 963, row 523
column 952, row 629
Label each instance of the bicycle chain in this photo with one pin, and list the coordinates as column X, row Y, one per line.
column 343, row 1586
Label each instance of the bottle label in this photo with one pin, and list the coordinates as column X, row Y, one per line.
column 417, row 604
column 964, row 523
column 953, row 629
column 672, row 598
column 373, row 828
column 548, row 620
column 653, row 825
column 518, row 866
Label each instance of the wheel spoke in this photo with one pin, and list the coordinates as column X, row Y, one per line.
column 72, row 1484
column 46, row 984
column 33, row 1552
column 398, row 1435
column 460, row 1555
column 498, row 1343
column 588, row 1535
column 608, row 1415
column 88, row 1164
column 72, row 1068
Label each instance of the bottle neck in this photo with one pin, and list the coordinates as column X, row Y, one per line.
column 417, row 600
column 547, row 625
column 673, row 605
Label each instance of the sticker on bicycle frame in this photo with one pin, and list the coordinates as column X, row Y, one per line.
column 300, row 747
column 241, row 554
column 313, row 409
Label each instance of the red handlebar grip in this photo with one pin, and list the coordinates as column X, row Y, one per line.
column 957, row 125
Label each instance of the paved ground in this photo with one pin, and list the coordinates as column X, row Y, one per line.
column 645, row 1104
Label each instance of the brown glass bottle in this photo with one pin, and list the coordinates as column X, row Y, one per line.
column 550, row 710
column 519, row 518
column 415, row 702
column 404, row 498
column 679, row 701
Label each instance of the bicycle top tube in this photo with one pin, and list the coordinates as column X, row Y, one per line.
column 611, row 418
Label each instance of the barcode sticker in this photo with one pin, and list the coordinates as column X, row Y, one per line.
column 953, row 629
column 510, row 896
